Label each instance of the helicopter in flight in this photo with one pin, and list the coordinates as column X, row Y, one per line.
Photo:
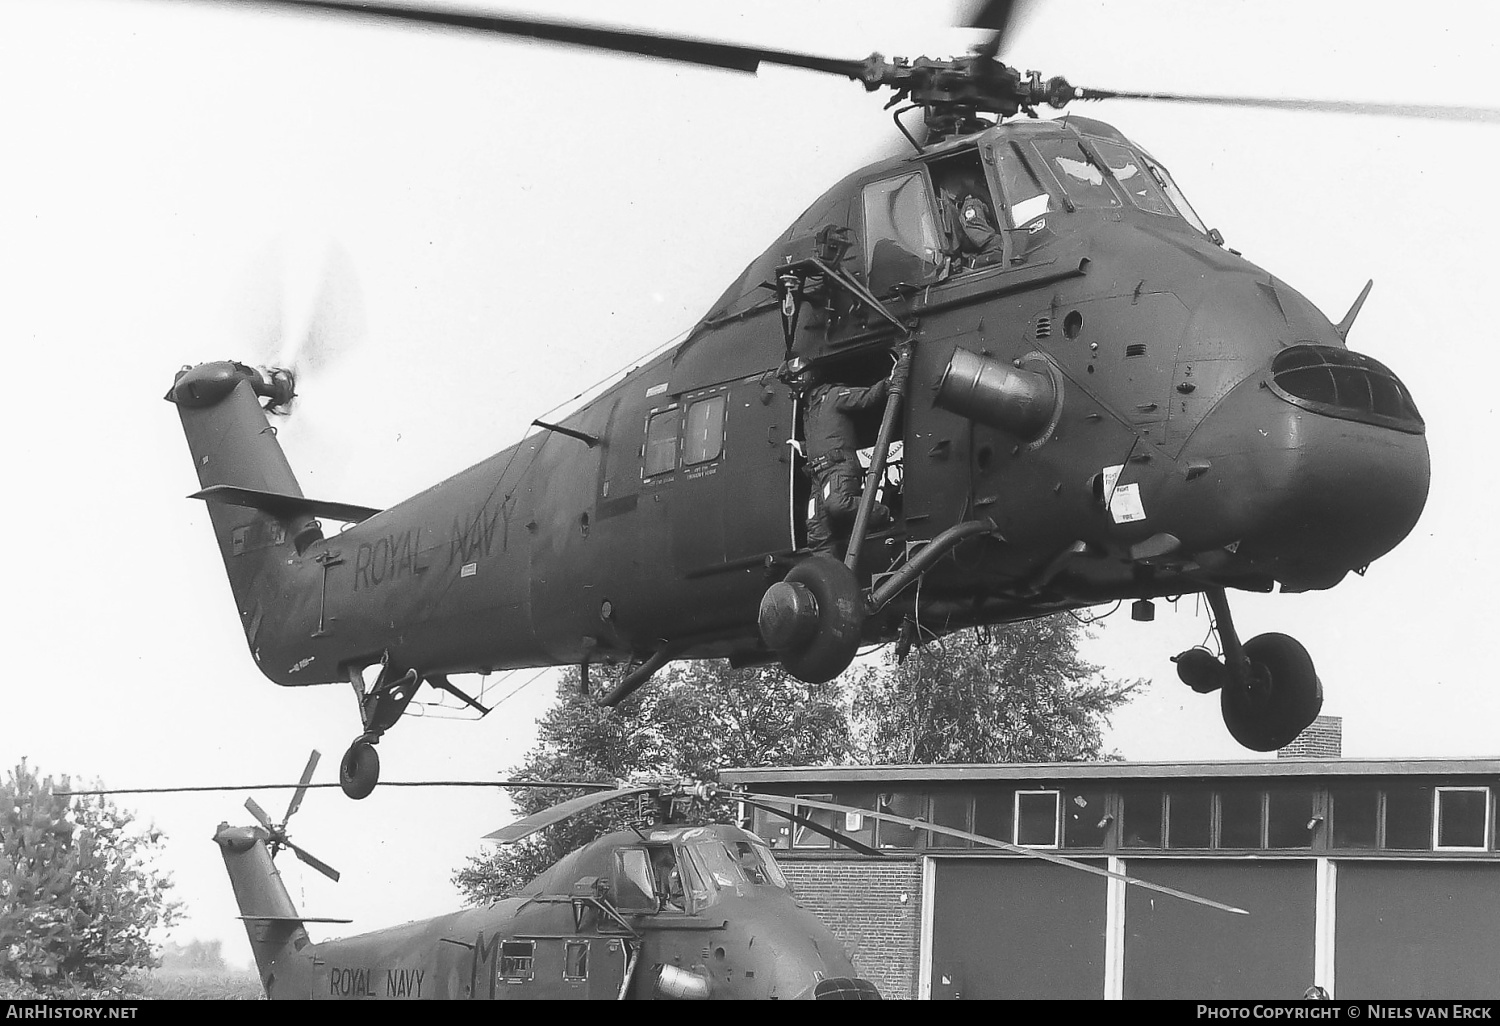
column 673, row 906
column 1098, row 402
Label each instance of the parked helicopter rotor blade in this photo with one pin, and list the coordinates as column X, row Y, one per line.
column 817, row 828
column 312, row 860
column 301, row 792
column 1017, row 849
column 726, row 56
column 1439, row 112
column 524, row 828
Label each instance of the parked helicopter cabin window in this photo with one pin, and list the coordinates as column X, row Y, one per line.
column 1463, row 818
column 1130, row 172
column 634, row 890
column 661, row 443
column 703, row 438
column 1355, row 812
column 1082, row 180
column 901, row 236
column 1036, row 818
column 1175, row 194
column 576, row 960
column 516, row 959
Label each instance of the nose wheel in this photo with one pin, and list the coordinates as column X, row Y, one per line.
column 1269, row 691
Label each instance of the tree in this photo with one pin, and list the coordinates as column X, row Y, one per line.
column 79, row 896
column 695, row 719
column 1017, row 693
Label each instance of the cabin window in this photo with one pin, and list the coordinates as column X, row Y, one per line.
column 635, row 890
column 661, row 443
column 1036, row 818
column 703, row 438
column 901, row 236
column 576, row 961
column 1462, row 819
column 516, row 959
column 1131, row 174
column 718, row 866
column 1168, row 186
column 1026, row 198
column 1355, row 812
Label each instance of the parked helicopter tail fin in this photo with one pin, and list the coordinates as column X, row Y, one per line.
column 271, row 921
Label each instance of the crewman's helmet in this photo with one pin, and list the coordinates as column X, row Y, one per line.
column 798, row 373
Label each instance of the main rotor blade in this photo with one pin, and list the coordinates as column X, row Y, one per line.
column 297, row 795
column 727, row 56
column 817, row 828
column 998, row 15
column 1436, row 112
column 1017, row 849
column 523, row 828
column 314, row 861
column 260, row 815
column 392, row 783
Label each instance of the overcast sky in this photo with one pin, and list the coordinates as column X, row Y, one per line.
column 508, row 223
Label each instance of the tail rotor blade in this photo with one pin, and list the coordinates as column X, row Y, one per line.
column 301, row 792
column 314, row 861
column 260, row 816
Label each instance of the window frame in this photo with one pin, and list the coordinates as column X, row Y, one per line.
column 1056, row 794
column 519, row 973
column 674, row 408
column 808, row 812
column 691, row 403
column 1437, row 813
column 569, row 946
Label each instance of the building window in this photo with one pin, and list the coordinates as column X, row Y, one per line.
column 1084, row 821
column 1356, row 817
column 1240, row 818
column 1408, row 818
column 805, row 837
column 703, row 437
column 949, row 810
column 994, row 814
column 1142, row 815
column 576, row 960
column 1289, row 818
column 661, row 443
column 515, row 961
column 898, row 835
column 1462, row 819
column 1036, row 818
column 1190, row 815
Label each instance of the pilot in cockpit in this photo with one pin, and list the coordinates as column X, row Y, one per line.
column 971, row 221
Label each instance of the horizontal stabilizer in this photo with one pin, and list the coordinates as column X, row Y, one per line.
column 292, row 919
column 283, row 506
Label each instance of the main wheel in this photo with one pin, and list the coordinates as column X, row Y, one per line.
column 360, row 770
column 813, row 619
column 1282, row 697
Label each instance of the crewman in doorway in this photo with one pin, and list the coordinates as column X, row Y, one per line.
column 831, row 451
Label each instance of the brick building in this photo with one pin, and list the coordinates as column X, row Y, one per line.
column 1370, row 878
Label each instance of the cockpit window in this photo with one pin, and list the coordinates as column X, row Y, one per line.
column 901, row 236
column 1175, row 194
column 758, row 865
column 1082, row 180
column 1130, row 171
column 635, row 889
column 717, row 866
column 1343, row 384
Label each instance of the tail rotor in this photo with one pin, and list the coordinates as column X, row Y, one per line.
column 278, row 837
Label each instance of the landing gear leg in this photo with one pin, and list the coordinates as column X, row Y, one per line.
column 379, row 709
column 1268, row 689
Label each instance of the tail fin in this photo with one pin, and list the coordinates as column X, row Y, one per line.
column 233, row 446
column 271, row 921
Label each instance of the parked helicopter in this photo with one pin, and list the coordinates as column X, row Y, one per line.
column 1112, row 406
column 667, row 908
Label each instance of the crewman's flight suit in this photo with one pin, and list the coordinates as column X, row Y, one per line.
column 838, row 478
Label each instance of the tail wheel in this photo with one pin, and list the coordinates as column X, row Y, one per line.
column 813, row 619
column 360, row 770
column 1282, row 697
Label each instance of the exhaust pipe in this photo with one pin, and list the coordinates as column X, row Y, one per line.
column 1011, row 398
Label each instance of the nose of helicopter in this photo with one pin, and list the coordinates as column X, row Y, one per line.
column 1317, row 467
